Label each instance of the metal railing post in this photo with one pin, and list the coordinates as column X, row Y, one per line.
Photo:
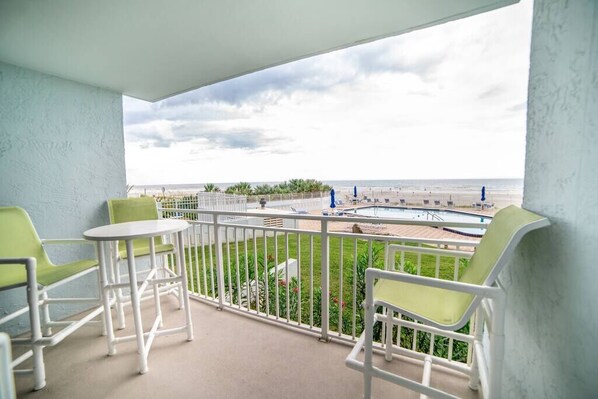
column 219, row 263
column 325, row 283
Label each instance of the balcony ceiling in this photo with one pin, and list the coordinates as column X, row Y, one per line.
column 153, row 49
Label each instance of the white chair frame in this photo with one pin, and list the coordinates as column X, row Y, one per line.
column 486, row 371
column 489, row 308
column 7, row 381
column 41, row 324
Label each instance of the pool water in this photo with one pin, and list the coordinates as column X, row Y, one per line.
column 427, row 214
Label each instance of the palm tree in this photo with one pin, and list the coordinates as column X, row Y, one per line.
column 211, row 188
column 241, row 188
column 263, row 189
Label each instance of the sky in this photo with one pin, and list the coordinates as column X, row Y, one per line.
column 444, row 102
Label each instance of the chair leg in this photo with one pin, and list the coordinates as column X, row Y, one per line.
column 46, row 329
column 369, row 337
column 474, row 377
column 497, row 347
column 389, row 326
column 39, row 371
column 367, row 369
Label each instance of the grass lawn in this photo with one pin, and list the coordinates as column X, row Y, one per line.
column 299, row 248
column 296, row 301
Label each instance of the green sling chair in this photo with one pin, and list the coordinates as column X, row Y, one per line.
column 24, row 263
column 122, row 210
column 447, row 305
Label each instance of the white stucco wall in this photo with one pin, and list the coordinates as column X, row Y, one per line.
column 552, row 317
column 61, row 157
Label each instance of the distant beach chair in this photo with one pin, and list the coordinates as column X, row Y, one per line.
column 368, row 200
column 325, row 212
column 477, row 205
column 386, row 201
column 376, row 200
column 489, row 206
column 436, row 202
column 299, row 211
column 426, row 202
column 402, row 201
column 450, row 204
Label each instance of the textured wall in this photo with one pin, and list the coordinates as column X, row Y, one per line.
column 552, row 317
column 61, row 157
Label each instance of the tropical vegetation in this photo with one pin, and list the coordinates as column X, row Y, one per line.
column 286, row 187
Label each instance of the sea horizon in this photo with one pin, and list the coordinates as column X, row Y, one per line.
column 494, row 184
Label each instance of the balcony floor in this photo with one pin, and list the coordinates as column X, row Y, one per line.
column 231, row 357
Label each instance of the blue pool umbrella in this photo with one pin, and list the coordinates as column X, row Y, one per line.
column 483, row 193
column 332, row 204
column 354, row 191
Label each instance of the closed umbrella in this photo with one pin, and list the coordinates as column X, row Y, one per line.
column 332, row 204
column 355, row 192
column 483, row 196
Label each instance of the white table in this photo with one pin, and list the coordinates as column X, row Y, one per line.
column 128, row 232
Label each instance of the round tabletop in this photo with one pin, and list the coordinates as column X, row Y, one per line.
column 132, row 230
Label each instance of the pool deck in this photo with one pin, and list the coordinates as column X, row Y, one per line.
column 394, row 230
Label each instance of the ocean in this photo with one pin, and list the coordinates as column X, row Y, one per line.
column 434, row 185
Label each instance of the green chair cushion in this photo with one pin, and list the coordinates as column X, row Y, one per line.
column 141, row 250
column 57, row 273
column 441, row 306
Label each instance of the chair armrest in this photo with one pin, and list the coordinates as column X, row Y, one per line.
column 61, row 241
column 22, row 261
column 30, row 266
column 429, row 251
column 372, row 273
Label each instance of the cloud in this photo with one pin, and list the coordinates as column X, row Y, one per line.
column 395, row 55
column 266, row 85
column 522, row 106
column 491, row 92
column 204, row 136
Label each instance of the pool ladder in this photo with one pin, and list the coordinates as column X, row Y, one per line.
column 434, row 216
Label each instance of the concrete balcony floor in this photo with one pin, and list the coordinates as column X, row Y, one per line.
column 231, row 357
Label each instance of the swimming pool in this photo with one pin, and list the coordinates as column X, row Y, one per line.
column 427, row 214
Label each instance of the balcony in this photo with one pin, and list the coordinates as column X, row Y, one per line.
column 231, row 357
column 241, row 350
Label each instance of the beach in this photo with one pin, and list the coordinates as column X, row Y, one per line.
column 462, row 192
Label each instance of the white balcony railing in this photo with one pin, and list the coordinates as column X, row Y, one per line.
column 320, row 282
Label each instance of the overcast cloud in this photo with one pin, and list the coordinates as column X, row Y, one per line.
column 444, row 102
